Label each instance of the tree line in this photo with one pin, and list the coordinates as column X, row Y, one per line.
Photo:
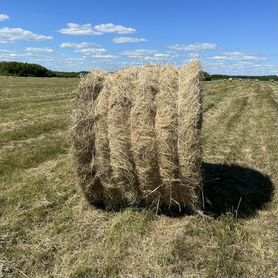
column 261, row 78
column 35, row 70
column 24, row 69
column 32, row 70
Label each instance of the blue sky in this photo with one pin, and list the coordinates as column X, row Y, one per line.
column 229, row 37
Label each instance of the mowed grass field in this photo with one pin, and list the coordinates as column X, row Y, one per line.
column 48, row 230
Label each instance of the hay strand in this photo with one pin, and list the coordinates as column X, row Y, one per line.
column 83, row 136
column 189, row 127
column 166, row 135
column 124, row 184
column 143, row 141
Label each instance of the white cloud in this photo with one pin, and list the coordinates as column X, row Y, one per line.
column 77, row 45
column 138, row 53
column 157, row 58
column 39, row 50
column 4, row 17
column 220, row 58
column 250, row 58
column 75, row 29
column 108, row 57
column 239, row 67
column 112, row 28
column 9, row 55
column 145, row 56
column 74, row 59
column 234, row 53
column 240, row 62
column 193, row 47
column 10, row 35
column 153, row 59
column 91, row 51
column 237, row 56
column 128, row 40
column 161, row 55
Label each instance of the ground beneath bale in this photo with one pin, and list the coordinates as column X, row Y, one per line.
column 48, row 230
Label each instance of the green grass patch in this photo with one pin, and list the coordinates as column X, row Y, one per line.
column 35, row 129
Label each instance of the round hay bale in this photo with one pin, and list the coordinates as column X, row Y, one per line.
column 136, row 138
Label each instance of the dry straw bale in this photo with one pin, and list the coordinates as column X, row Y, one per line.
column 136, row 137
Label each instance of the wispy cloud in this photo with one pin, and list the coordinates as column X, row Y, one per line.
column 193, row 47
column 77, row 45
column 37, row 14
column 106, row 57
column 74, row 59
column 112, row 28
column 10, row 35
column 75, row 29
column 91, row 51
column 5, row 50
column 162, row 55
column 128, row 40
column 39, row 50
column 145, row 56
column 11, row 55
column 157, row 58
column 239, row 68
column 4, row 17
column 236, row 56
column 138, row 53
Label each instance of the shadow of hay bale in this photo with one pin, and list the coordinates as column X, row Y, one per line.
column 226, row 189
column 232, row 188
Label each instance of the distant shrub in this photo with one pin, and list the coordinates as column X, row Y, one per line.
column 69, row 74
column 205, row 76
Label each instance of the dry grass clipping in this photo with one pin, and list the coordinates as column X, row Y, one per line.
column 136, row 138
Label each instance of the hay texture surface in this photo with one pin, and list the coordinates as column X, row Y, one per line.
column 136, row 138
